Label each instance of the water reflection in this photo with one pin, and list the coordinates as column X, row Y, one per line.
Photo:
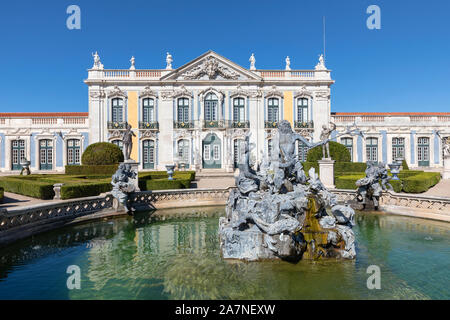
column 163, row 255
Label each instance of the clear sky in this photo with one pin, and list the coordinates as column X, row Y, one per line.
column 402, row 67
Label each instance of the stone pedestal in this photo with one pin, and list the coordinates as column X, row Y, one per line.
column 326, row 172
column 446, row 174
column 134, row 167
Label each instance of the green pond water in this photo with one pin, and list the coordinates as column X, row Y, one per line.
column 172, row 255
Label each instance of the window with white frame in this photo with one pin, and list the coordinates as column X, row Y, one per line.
column 211, row 104
column 372, row 149
column 273, row 109
column 302, row 110
column 117, row 110
column 183, row 109
column 148, row 110
column 302, row 151
column 238, row 109
column 73, row 151
column 348, row 143
column 398, row 148
column 183, row 150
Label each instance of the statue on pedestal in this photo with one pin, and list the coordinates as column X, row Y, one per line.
column 288, row 63
column 97, row 62
column 132, row 60
column 325, row 135
column 252, row 62
column 169, row 61
column 128, row 142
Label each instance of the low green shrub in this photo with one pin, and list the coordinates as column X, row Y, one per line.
column 338, row 152
column 92, row 169
column 164, row 184
column 28, row 187
column 347, row 181
column 421, row 182
column 350, row 167
column 84, row 190
column 2, row 194
column 102, row 153
column 308, row 165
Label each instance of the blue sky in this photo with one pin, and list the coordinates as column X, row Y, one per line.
column 402, row 67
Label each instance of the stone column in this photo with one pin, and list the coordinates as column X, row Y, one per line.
column 326, row 171
column 446, row 174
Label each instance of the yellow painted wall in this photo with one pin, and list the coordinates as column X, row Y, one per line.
column 133, row 117
column 288, row 107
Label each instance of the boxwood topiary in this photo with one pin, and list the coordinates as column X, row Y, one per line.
column 405, row 165
column 102, row 153
column 338, row 152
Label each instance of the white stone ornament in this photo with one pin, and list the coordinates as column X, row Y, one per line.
column 252, row 62
column 169, row 61
column 97, row 63
column 288, row 63
column 132, row 67
column 321, row 64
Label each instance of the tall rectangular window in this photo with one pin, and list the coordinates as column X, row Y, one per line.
column 302, row 151
column 302, row 110
column 117, row 110
column 348, row 143
column 148, row 110
column 398, row 148
column 238, row 109
column 272, row 110
column 183, row 110
column 372, row 149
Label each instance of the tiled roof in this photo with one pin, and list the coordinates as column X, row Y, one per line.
column 42, row 114
column 390, row 113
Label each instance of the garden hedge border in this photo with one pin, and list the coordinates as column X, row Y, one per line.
column 2, row 194
column 91, row 169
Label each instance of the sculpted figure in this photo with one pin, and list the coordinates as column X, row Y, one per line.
column 122, row 187
column 273, row 208
column 128, row 142
column 325, row 135
column 252, row 62
column 169, row 61
column 288, row 63
column 446, row 147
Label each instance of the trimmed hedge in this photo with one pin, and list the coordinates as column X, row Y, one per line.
column 421, row 182
column 338, row 152
column 417, row 182
column 102, row 153
column 109, row 169
column 28, row 187
column 405, row 165
column 84, row 190
column 164, row 184
column 2, row 194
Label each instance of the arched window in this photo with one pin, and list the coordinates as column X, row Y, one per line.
column 398, row 148
column 73, row 152
column 238, row 109
column 183, row 110
column 302, row 110
column 117, row 110
column 423, row 151
column 372, row 149
column 148, row 110
column 348, row 143
column 148, row 154
column 272, row 109
column 211, row 104
column 183, row 150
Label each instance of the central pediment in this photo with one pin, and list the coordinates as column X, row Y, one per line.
column 211, row 66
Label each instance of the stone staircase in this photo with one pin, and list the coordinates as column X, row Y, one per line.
column 213, row 178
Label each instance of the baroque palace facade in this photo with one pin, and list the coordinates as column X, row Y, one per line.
column 197, row 116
